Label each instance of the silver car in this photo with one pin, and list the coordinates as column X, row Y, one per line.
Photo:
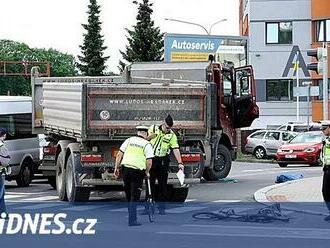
column 264, row 143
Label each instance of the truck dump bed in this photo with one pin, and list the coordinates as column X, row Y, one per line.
column 101, row 109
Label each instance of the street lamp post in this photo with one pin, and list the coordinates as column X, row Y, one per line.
column 308, row 84
column 208, row 32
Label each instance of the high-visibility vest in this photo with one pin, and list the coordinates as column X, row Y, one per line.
column 326, row 152
column 134, row 156
column 163, row 142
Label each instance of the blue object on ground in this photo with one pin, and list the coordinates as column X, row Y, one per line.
column 288, row 177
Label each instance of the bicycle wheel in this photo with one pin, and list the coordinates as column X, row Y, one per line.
column 207, row 216
column 150, row 208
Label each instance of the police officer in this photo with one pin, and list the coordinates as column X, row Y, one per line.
column 4, row 169
column 325, row 156
column 135, row 157
column 163, row 140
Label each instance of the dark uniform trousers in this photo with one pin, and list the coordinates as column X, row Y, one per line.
column 159, row 171
column 326, row 186
column 133, row 180
column 2, row 194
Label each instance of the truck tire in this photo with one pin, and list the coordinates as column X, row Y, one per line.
column 178, row 195
column 222, row 165
column 52, row 182
column 60, row 177
column 74, row 193
column 25, row 174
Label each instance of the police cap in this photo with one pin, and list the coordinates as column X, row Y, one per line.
column 169, row 120
column 142, row 128
column 325, row 124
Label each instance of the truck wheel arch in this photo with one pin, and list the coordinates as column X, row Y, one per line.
column 26, row 164
column 222, row 146
column 62, row 146
column 224, row 140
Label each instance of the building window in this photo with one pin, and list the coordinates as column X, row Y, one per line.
column 279, row 33
column 320, row 84
column 279, row 90
column 322, row 30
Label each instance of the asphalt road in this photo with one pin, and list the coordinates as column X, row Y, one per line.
column 178, row 228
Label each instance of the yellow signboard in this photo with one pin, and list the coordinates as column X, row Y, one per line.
column 189, row 57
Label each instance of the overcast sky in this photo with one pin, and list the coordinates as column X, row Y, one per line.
column 57, row 23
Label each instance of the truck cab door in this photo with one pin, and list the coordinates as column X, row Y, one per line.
column 244, row 104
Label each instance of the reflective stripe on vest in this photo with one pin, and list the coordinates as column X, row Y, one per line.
column 161, row 143
column 134, row 155
column 326, row 154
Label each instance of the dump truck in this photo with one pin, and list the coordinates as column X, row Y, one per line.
column 85, row 120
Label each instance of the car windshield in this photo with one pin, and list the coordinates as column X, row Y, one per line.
column 307, row 138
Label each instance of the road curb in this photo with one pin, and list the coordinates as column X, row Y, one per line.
column 260, row 196
column 252, row 160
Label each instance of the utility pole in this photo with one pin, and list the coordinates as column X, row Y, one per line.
column 325, row 82
column 297, row 70
column 308, row 84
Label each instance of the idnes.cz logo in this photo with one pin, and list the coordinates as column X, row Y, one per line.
column 46, row 224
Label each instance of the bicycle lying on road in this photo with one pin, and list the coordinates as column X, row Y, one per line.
column 263, row 215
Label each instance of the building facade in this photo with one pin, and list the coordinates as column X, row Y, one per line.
column 279, row 34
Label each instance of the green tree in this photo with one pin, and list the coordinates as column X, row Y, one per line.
column 145, row 41
column 61, row 65
column 92, row 61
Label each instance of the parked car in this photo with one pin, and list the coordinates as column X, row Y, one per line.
column 300, row 127
column 264, row 143
column 23, row 146
column 305, row 148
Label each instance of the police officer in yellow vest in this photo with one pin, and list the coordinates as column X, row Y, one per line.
column 163, row 140
column 325, row 157
column 135, row 156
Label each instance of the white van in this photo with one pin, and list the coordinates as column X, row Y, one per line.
column 23, row 146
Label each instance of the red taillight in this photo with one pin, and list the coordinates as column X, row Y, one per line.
column 51, row 150
column 191, row 157
column 91, row 158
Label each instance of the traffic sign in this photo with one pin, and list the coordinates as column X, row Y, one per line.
column 303, row 91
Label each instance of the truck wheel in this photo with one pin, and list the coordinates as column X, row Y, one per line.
column 25, row 175
column 60, row 177
column 222, row 165
column 52, row 182
column 74, row 194
column 178, row 195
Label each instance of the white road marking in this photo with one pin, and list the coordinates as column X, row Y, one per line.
column 257, row 170
column 7, row 197
column 42, row 198
column 190, row 200
column 125, row 209
column 39, row 206
column 24, row 193
column 252, row 231
column 83, row 207
column 226, row 201
column 271, row 172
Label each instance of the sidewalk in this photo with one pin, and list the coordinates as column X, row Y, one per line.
column 300, row 195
